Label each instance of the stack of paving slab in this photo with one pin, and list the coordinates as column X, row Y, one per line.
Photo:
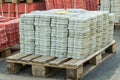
column 27, row 37
column 105, row 5
column 68, row 33
column 112, row 6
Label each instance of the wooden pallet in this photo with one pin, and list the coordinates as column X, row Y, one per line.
column 117, row 25
column 44, row 66
column 8, row 51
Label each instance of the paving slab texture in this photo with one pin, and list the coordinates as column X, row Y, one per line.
column 108, row 70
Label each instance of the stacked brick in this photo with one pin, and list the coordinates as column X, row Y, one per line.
column 85, row 4
column 15, row 10
column 9, row 32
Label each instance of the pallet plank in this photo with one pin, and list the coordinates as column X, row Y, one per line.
column 70, row 62
column 18, row 56
column 58, row 61
column 43, row 59
column 30, row 57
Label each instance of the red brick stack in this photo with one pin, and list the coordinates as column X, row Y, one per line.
column 59, row 4
column 11, row 28
column 50, row 4
column 68, row 3
column 91, row 5
column 85, row 4
column 15, row 10
column 8, row 9
column 81, row 4
column 98, row 2
column 27, row 8
column 3, row 39
column 16, row 26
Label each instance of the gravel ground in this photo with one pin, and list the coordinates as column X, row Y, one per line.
column 108, row 70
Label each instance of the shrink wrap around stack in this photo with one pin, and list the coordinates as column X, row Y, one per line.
column 73, row 34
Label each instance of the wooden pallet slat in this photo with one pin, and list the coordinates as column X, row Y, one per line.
column 58, row 61
column 70, row 62
column 29, row 58
column 43, row 59
column 18, row 56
